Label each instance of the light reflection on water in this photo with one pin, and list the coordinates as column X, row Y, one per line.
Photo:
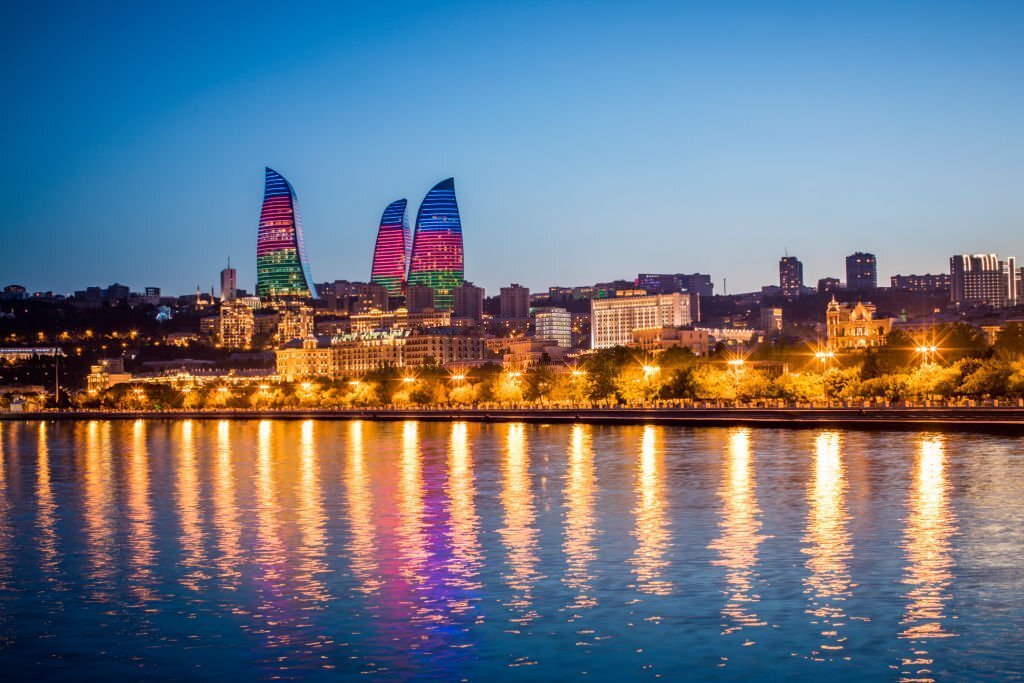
column 519, row 533
column 828, row 546
column 276, row 549
column 652, row 535
column 737, row 546
column 929, row 570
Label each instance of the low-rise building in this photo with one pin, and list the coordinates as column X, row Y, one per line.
column 855, row 327
column 771, row 318
column 523, row 353
column 105, row 374
column 399, row 319
column 662, row 338
column 353, row 354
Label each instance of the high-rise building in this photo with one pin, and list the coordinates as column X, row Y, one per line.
column 698, row 283
column 861, row 271
column 342, row 296
column 437, row 256
column 420, row 298
column 515, row 302
column 791, row 276
column 228, row 283
column 612, row 321
column 660, row 283
column 391, row 253
column 921, row 283
column 982, row 279
column 469, row 302
column 282, row 269
column 554, row 324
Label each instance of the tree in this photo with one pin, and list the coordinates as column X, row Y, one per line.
column 960, row 340
column 604, row 367
column 897, row 353
column 932, row 379
column 508, row 388
column 985, row 378
column 714, row 382
column 802, row 386
column 638, row 384
column 680, row 383
column 1010, row 342
column 463, row 394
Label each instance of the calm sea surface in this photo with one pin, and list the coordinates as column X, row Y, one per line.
column 428, row 551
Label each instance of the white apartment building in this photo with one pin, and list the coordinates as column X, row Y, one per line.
column 613, row 321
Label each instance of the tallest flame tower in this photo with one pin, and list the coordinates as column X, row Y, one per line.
column 437, row 259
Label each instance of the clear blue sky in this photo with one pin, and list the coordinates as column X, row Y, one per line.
column 589, row 141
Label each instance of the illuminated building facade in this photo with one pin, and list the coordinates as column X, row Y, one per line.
column 353, row 354
column 237, row 325
column 554, row 324
column 281, row 266
column 295, row 321
column 392, row 251
column 855, row 327
column 437, row 257
column 613, row 321
column 983, row 279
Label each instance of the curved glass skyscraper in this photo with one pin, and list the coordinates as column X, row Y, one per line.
column 391, row 255
column 437, row 259
column 281, row 266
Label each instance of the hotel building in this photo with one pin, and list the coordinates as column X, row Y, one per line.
column 613, row 321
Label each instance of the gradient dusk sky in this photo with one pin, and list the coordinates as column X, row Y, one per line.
column 589, row 141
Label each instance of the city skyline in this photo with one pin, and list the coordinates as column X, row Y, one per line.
column 806, row 139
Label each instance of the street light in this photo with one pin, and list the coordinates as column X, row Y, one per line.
column 458, row 378
column 650, row 370
column 825, row 356
column 408, row 380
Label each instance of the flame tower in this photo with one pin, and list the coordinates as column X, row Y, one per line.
column 437, row 259
column 281, row 266
column 391, row 255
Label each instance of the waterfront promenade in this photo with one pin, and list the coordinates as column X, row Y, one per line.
column 1000, row 419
